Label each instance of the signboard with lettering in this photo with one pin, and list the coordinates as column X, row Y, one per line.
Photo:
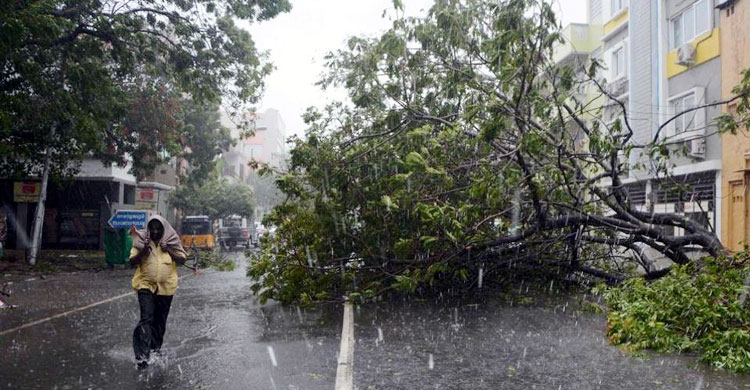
column 145, row 195
column 26, row 191
column 126, row 218
column 146, row 199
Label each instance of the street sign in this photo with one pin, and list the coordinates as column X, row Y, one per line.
column 146, row 199
column 126, row 218
column 26, row 192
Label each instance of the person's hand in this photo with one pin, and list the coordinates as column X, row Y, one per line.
column 163, row 245
column 146, row 246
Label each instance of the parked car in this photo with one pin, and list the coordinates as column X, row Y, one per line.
column 235, row 231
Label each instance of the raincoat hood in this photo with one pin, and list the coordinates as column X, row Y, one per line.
column 170, row 237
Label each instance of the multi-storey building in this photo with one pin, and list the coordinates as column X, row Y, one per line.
column 662, row 58
column 735, row 38
column 266, row 145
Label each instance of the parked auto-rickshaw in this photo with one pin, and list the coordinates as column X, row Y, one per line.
column 196, row 230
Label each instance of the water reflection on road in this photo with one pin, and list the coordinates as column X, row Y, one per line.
column 219, row 337
column 492, row 343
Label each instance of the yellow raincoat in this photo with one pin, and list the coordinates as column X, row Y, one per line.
column 157, row 272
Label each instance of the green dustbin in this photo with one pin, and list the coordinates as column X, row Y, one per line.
column 117, row 243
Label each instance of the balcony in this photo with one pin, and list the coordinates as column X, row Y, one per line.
column 579, row 40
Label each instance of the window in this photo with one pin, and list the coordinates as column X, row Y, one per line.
column 616, row 59
column 690, row 23
column 690, row 123
column 702, row 17
column 618, row 63
column 616, row 6
column 676, row 31
column 685, row 122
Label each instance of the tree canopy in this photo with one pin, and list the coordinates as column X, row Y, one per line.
column 106, row 78
column 202, row 139
column 465, row 151
column 216, row 198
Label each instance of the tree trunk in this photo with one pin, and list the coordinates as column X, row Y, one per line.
column 36, row 236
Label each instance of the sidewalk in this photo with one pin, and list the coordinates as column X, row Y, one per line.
column 51, row 261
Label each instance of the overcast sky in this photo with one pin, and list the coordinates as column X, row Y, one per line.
column 298, row 40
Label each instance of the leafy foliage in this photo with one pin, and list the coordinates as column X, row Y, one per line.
column 105, row 77
column 217, row 261
column 216, row 198
column 202, row 138
column 698, row 307
column 267, row 195
column 465, row 151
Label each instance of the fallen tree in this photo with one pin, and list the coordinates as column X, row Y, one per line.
column 465, row 152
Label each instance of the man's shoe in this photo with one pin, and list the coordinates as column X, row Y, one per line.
column 141, row 364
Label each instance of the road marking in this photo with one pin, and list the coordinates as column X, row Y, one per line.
column 345, row 371
column 43, row 320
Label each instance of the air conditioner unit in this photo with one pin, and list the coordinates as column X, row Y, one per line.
column 697, row 148
column 618, row 87
column 686, row 55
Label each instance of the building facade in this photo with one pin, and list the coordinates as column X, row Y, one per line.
column 265, row 146
column 663, row 60
column 735, row 162
column 77, row 209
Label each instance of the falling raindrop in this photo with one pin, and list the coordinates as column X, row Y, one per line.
column 743, row 296
column 481, row 276
column 336, row 220
column 380, row 334
column 431, row 363
column 309, row 258
column 272, row 355
column 699, row 385
column 516, row 217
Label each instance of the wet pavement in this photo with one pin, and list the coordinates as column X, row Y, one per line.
column 219, row 337
column 493, row 343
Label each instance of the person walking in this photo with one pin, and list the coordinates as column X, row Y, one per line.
column 156, row 251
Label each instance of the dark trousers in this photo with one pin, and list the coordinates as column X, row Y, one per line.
column 149, row 333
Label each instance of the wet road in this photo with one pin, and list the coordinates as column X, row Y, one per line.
column 481, row 343
column 219, row 337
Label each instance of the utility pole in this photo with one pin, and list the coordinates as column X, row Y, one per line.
column 36, row 236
